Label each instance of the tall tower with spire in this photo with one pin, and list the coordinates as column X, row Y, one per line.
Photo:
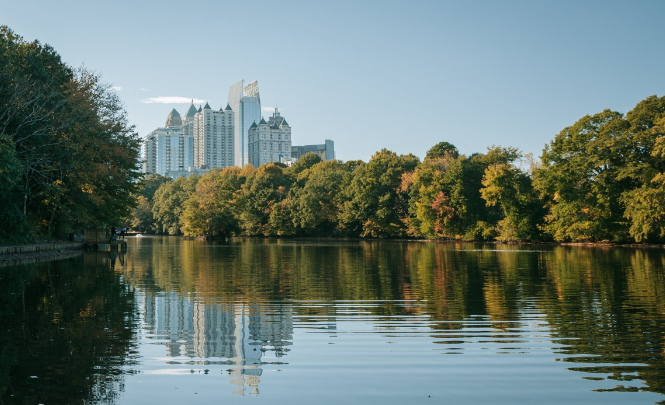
column 246, row 103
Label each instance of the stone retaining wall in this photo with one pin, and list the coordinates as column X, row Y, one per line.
column 13, row 250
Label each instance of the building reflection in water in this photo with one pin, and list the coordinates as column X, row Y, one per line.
column 236, row 333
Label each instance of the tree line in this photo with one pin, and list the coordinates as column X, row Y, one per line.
column 69, row 160
column 601, row 179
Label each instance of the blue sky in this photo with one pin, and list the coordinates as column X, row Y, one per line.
column 370, row 74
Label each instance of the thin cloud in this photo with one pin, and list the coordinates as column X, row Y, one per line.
column 142, row 89
column 116, row 88
column 171, row 100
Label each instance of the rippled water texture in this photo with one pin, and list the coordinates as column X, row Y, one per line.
column 286, row 321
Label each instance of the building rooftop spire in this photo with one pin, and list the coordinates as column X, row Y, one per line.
column 191, row 111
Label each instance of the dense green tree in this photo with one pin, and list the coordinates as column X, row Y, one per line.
column 580, row 178
column 318, row 201
column 305, row 162
column 444, row 194
column 13, row 227
column 352, row 164
column 509, row 188
column 375, row 203
column 77, row 154
column 281, row 221
column 141, row 217
column 94, row 179
column 33, row 81
column 169, row 202
column 645, row 208
column 149, row 185
column 443, row 197
column 265, row 187
column 213, row 209
column 442, row 149
column 644, row 151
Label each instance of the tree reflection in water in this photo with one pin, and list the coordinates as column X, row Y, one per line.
column 68, row 332
column 603, row 306
column 236, row 307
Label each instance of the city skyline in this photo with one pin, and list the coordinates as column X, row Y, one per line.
column 406, row 76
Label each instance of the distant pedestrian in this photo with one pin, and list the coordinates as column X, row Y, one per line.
column 122, row 232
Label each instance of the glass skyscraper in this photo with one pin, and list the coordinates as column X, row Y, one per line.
column 246, row 103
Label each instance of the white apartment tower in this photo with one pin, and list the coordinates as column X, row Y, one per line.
column 246, row 103
column 269, row 141
column 213, row 133
column 167, row 149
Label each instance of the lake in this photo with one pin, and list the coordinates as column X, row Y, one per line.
column 177, row 320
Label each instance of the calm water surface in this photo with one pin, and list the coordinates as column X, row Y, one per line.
column 287, row 321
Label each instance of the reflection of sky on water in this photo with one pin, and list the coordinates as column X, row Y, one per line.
column 226, row 333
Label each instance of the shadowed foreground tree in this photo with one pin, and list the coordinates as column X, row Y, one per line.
column 98, row 167
column 13, row 220
column 70, row 139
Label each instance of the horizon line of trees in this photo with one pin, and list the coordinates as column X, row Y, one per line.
column 69, row 160
column 601, row 179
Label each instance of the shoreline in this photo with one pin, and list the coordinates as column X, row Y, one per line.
column 491, row 242
column 26, row 254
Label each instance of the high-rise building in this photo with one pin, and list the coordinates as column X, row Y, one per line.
column 188, row 120
column 167, row 149
column 246, row 103
column 325, row 150
column 269, row 141
column 213, row 137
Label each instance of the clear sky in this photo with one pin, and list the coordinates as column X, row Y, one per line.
column 370, row 74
